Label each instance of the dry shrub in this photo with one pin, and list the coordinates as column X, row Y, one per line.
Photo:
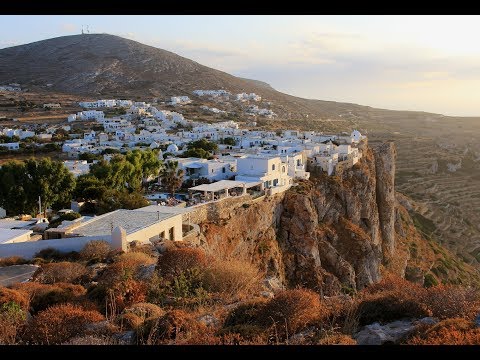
column 91, row 340
column 16, row 296
column 148, row 249
column 59, row 323
column 389, row 306
column 136, row 315
column 393, row 298
column 12, row 321
column 133, row 260
column 246, row 313
column 44, row 295
column 62, row 272
column 390, row 299
column 52, row 254
column 244, row 322
column 97, row 250
column 129, row 321
column 145, row 310
column 117, row 289
column 292, row 310
column 174, row 262
column 450, row 301
column 395, row 283
column 125, row 294
column 13, row 260
column 176, row 326
column 456, row 331
column 337, row 339
column 232, row 278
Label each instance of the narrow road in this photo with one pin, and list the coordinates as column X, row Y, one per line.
column 16, row 273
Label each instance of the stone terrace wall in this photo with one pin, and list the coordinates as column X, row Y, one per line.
column 216, row 210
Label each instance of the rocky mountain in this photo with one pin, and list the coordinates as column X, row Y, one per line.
column 335, row 234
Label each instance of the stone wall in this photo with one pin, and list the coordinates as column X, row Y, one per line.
column 215, row 210
column 28, row 249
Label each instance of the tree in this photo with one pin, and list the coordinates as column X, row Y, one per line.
column 196, row 152
column 229, row 141
column 23, row 182
column 203, row 144
column 127, row 171
column 171, row 176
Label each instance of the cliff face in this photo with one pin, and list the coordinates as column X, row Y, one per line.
column 330, row 234
column 385, row 156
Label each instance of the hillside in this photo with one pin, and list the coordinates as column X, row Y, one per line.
column 100, row 65
column 326, row 262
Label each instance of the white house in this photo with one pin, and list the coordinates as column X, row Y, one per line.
column 11, row 146
column 356, row 136
column 90, row 115
column 180, row 100
column 213, row 170
column 296, row 165
column 77, row 167
column 270, row 171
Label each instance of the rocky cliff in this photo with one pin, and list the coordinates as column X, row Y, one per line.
column 330, row 234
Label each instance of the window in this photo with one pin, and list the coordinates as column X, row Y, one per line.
column 283, row 169
column 273, row 166
column 171, row 235
column 162, row 235
column 224, row 170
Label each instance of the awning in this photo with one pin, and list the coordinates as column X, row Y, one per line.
column 223, row 185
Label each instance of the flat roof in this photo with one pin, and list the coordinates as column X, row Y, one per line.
column 130, row 220
column 173, row 210
column 11, row 223
column 8, row 234
column 224, row 184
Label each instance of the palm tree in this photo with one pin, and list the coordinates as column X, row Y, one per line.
column 171, row 176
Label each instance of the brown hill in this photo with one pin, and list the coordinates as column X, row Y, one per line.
column 103, row 64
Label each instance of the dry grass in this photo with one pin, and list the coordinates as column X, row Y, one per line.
column 44, row 295
column 16, row 296
column 59, row 323
column 62, row 272
column 337, row 339
column 176, row 326
column 96, row 250
column 133, row 260
column 450, row 301
column 232, row 279
column 456, row 331
column 292, row 310
column 12, row 321
column 174, row 262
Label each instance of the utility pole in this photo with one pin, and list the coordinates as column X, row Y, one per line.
column 40, row 205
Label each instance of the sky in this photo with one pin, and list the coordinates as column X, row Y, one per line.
column 414, row 62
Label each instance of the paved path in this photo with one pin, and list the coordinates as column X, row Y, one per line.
column 16, row 273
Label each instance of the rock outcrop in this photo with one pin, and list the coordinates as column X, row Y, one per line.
column 385, row 156
column 330, row 234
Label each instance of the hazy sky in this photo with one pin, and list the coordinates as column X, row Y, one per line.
column 429, row 63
